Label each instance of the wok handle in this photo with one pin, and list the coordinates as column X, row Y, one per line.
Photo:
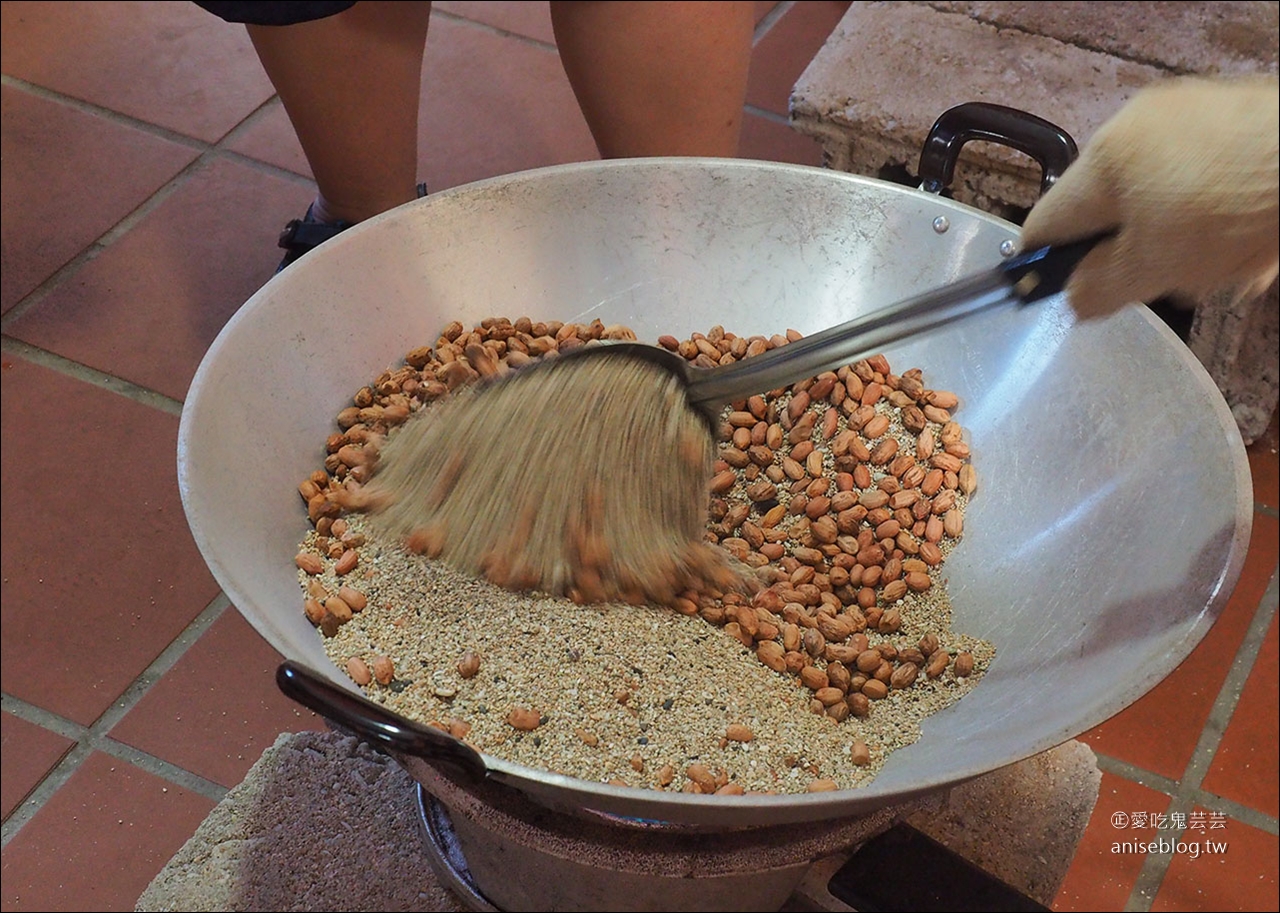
column 1047, row 143
column 376, row 724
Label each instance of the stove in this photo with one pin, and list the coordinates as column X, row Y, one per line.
column 1000, row 842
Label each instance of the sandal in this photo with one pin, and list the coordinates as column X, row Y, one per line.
column 301, row 236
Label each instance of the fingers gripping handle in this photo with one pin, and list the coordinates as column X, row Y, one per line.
column 1043, row 272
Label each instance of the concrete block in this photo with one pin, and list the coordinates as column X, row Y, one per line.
column 889, row 69
column 320, row 822
column 985, row 818
column 1223, row 38
column 1238, row 342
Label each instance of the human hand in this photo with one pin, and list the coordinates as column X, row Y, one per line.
column 1188, row 174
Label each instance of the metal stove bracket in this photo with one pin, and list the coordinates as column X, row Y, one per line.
column 903, row 870
column 446, row 853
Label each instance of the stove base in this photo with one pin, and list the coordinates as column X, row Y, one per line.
column 493, row 862
column 1003, row 841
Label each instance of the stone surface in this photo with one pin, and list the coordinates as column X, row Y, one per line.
column 1226, row 38
column 1022, row 823
column 321, row 822
column 1238, row 342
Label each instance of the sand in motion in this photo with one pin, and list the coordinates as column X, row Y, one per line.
column 583, row 477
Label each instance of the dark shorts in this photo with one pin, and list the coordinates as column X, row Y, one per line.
column 283, row 13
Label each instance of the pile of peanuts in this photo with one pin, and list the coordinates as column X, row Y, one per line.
column 843, row 492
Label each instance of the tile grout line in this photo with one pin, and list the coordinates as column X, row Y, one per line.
column 1211, row 801
column 1134, row 773
column 208, row 153
column 115, row 117
column 769, row 20
column 457, row 19
column 158, row 131
column 91, row 738
column 167, row 659
column 767, row 115
column 87, row 744
column 1242, row 813
column 104, row 241
column 94, row 737
column 86, row 374
column 1188, row 790
column 760, row 30
column 217, row 149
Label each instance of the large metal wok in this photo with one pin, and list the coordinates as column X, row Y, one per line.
column 1115, row 505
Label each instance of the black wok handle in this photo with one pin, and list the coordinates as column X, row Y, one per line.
column 376, row 724
column 1047, row 143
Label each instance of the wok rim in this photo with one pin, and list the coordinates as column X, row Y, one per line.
column 691, row 809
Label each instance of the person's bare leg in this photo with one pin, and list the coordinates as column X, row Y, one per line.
column 655, row 78
column 350, row 84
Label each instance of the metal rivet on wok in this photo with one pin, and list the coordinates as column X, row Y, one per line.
column 941, row 224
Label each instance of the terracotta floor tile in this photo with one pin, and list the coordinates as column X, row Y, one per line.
column 1245, row 768
column 784, row 52
column 68, row 177
column 532, row 20
column 176, row 277
column 493, row 105
column 1264, row 552
column 102, row 572
column 1239, row 876
column 771, row 141
column 28, row 752
column 218, row 708
column 1266, row 491
column 1159, row 732
column 271, row 139
column 169, row 64
column 100, row 840
column 1102, row 876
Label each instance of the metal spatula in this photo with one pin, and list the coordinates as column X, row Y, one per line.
column 1021, row 280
